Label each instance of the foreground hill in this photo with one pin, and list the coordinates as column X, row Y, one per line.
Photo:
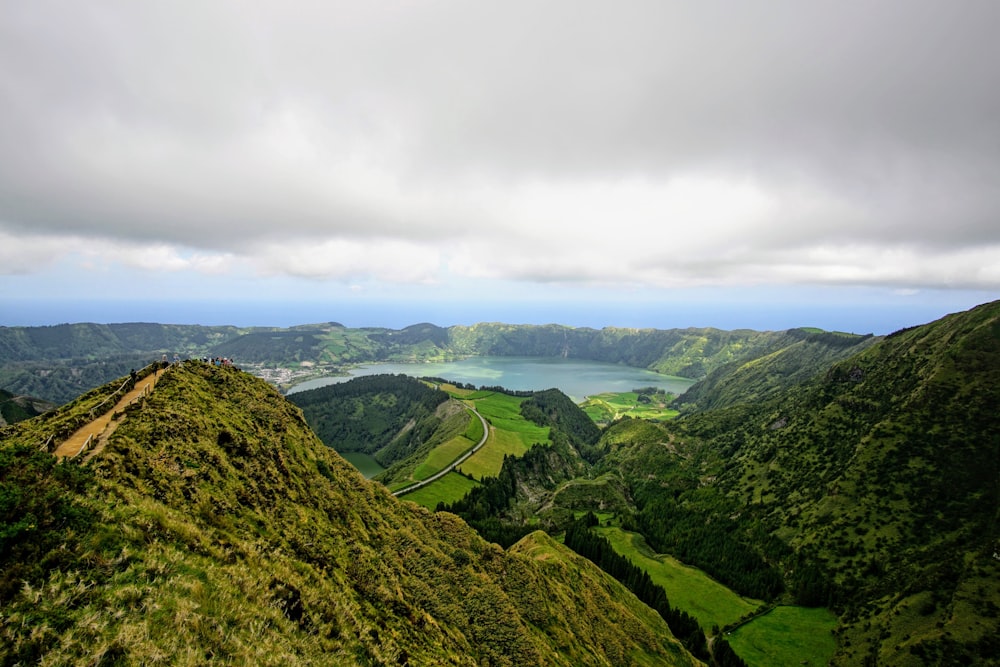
column 215, row 526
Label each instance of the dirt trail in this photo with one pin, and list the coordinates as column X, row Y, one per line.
column 102, row 427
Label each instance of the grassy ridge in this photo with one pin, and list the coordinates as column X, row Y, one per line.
column 441, row 456
column 222, row 530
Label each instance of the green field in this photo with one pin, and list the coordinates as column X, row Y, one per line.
column 687, row 588
column 448, row 489
column 786, row 636
column 510, row 433
column 607, row 407
column 441, row 456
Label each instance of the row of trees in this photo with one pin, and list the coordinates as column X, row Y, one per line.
column 581, row 539
column 704, row 539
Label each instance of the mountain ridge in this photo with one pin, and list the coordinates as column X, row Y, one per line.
column 215, row 525
column 62, row 362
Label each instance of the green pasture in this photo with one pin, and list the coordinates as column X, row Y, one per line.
column 489, row 459
column 456, row 392
column 442, row 455
column 448, row 489
column 510, row 433
column 474, row 432
column 503, row 412
column 609, row 406
column 786, row 636
column 687, row 588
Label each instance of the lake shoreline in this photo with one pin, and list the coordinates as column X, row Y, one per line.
column 577, row 378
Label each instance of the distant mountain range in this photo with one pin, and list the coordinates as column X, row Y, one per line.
column 859, row 474
column 58, row 363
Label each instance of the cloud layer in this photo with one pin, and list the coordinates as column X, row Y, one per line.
column 651, row 144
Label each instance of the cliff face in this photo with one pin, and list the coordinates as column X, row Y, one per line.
column 215, row 525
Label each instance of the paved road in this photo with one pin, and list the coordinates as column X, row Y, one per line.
column 454, row 464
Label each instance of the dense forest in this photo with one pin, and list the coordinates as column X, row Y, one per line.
column 388, row 416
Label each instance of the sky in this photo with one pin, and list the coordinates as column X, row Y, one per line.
column 759, row 164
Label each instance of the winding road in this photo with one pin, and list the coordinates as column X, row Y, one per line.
column 454, row 464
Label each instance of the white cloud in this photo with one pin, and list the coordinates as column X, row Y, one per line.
column 389, row 260
column 644, row 143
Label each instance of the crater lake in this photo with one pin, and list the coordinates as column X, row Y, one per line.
column 577, row 378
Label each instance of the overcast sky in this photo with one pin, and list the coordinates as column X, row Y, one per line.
column 456, row 161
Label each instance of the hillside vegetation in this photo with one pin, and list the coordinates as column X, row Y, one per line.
column 215, row 526
column 59, row 363
column 873, row 488
column 18, row 408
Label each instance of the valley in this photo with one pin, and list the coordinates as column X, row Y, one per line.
column 812, row 498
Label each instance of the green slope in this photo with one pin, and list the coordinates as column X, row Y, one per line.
column 788, row 359
column 18, row 408
column 215, row 526
column 874, row 488
column 60, row 362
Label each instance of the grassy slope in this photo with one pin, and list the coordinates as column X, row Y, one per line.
column 786, row 636
column 687, row 588
column 609, row 406
column 510, row 433
column 882, row 472
column 220, row 528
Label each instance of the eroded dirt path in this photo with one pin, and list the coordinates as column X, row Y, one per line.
column 97, row 431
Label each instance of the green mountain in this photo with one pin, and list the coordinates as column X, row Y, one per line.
column 213, row 525
column 873, row 488
column 61, row 362
column 387, row 416
column 18, row 408
column 784, row 361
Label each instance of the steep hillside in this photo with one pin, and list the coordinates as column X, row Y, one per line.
column 387, row 416
column 873, row 488
column 18, row 408
column 787, row 360
column 216, row 526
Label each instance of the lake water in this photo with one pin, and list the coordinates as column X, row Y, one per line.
column 365, row 463
column 577, row 378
